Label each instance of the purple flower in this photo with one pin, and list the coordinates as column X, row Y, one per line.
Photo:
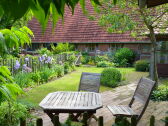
column 17, row 65
column 40, row 59
column 26, row 59
column 24, row 66
column 43, row 58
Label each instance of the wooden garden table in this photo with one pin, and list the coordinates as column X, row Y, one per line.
column 71, row 102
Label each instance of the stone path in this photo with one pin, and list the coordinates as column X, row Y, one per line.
column 121, row 95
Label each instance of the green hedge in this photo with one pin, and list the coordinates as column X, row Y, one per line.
column 142, row 65
column 110, row 77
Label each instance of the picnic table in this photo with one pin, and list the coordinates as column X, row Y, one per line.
column 71, row 102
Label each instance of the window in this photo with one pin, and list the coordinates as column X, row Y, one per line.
column 114, row 47
column 146, row 48
column 91, row 47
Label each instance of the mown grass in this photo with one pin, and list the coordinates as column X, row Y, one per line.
column 70, row 82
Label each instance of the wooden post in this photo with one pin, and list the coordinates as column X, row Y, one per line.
column 22, row 122
column 133, row 121
column 56, row 120
column 39, row 122
column 100, row 121
column 85, row 118
column 152, row 121
column 166, row 121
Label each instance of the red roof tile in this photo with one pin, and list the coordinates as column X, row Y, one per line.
column 78, row 28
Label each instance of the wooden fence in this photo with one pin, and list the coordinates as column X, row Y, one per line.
column 39, row 121
column 33, row 63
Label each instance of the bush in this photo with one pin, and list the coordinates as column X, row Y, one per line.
column 59, row 70
column 67, row 68
column 124, row 57
column 44, row 51
column 62, row 47
column 12, row 118
column 110, row 77
column 104, row 64
column 160, row 94
column 85, row 59
column 101, row 58
column 36, row 77
column 46, row 74
column 71, row 59
column 23, row 79
column 142, row 65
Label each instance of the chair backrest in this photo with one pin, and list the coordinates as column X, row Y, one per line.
column 90, row 82
column 142, row 94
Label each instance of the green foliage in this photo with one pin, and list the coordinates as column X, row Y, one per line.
column 59, row 70
column 36, row 77
column 11, row 40
column 142, row 65
column 122, row 122
column 101, row 58
column 160, row 94
column 67, row 68
column 23, row 79
column 10, row 113
column 116, row 22
column 104, row 64
column 41, row 9
column 85, row 59
column 71, row 59
column 44, row 51
column 8, row 90
column 110, row 77
column 124, row 57
column 45, row 74
column 62, row 47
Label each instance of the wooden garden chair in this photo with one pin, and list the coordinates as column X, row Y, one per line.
column 141, row 95
column 90, row 82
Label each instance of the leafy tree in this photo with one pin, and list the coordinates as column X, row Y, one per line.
column 11, row 40
column 7, row 23
column 41, row 9
column 8, row 90
column 121, row 16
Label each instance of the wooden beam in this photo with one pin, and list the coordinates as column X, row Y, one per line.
column 153, row 3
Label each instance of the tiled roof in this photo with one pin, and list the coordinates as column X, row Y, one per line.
column 78, row 28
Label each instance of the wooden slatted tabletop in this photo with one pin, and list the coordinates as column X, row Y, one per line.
column 65, row 102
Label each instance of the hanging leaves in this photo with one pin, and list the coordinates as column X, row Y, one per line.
column 42, row 9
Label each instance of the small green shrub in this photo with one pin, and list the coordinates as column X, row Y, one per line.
column 85, row 59
column 10, row 115
column 124, row 57
column 160, row 94
column 142, row 65
column 67, row 68
column 23, row 79
column 110, row 77
column 59, row 70
column 71, row 59
column 104, row 64
column 36, row 77
column 44, row 51
column 62, row 47
column 101, row 58
column 46, row 74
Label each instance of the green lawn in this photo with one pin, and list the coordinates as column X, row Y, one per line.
column 70, row 83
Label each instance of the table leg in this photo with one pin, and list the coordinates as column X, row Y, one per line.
column 51, row 115
column 75, row 117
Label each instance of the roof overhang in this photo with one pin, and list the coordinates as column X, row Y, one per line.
column 135, row 42
column 151, row 3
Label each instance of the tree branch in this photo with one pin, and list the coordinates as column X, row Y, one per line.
column 159, row 17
